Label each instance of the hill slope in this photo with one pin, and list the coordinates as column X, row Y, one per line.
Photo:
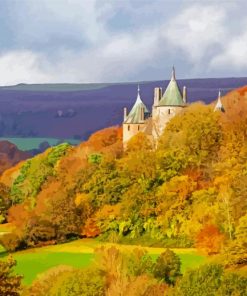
column 10, row 155
column 77, row 110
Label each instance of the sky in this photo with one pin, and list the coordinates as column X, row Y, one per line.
column 88, row 41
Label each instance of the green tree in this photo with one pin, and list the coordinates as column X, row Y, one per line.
column 232, row 285
column 236, row 252
column 202, row 281
column 167, row 267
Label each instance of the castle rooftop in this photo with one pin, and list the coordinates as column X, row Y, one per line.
column 135, row 115
column 172, row 95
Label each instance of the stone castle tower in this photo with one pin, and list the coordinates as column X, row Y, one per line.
column 165, row 106
column 136, row 120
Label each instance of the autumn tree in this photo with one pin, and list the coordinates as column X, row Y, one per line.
column 167, row 267
column 196, row 133
column 210, row 240
column 10, row 283
column 5, row 202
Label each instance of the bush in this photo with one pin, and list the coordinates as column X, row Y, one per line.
column 167, row 267
column 210, row 280
column 40, row 233
column 233, row 285
column 139, row 262
column 42, row 285
column 10, row 284
column 10, row 241
column 203, row 281
column 87, row 282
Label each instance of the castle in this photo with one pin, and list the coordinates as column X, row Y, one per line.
column 165, row 106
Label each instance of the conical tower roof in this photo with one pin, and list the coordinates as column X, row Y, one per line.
column 219, row 106
column 135, row 114
column 172, row 95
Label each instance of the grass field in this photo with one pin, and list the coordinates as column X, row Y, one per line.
column 25, row 144
column 80, row 253
column 5, row 228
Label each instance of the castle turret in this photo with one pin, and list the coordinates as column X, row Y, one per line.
column 219, row 106
column 172, row 95
column 134, row 122
column 171, row 103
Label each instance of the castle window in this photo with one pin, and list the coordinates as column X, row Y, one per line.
column 128, row 127
column 169, row 111
column 138, row 127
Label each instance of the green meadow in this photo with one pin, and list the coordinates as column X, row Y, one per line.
column 80, row 253
column 33, row 143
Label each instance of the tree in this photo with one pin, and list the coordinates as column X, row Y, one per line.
column 139, row 142
column 167, row 267
column 5, row 202
column 86, row 282
column 42, row 285
column 209, row 239
column 196, row 132
column 232, row 285
column 10, row 284
column 210, row 280
column 236, row 252
column 202, row 281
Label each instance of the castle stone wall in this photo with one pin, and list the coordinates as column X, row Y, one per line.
column 131, row 129
column 161, row 115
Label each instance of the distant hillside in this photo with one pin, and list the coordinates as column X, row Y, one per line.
column 10, row 155
column 77, row 110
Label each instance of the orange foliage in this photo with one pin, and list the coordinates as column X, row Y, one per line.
column 10, row 174
column 210, row 239
column 105, row 137
column 19, row 215
column 90, row 228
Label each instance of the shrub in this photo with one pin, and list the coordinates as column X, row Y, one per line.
column 210, row 280
column 203, row 281
column 139, row 262
column 10, row 284
column 87, row 282
column 40, row 233
column 233, row 285
column 10, row 241
column 42, row 285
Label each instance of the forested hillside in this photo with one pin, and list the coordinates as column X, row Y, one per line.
column 189, row 192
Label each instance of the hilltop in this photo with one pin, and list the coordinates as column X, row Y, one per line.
column 77, row 110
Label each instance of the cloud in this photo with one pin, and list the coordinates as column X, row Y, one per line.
column 22, row 66
column 113, row 62
column 96, row 41
column 195, row 30
column 233, row 54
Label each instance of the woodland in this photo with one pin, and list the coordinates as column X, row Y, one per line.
column 188, row 192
